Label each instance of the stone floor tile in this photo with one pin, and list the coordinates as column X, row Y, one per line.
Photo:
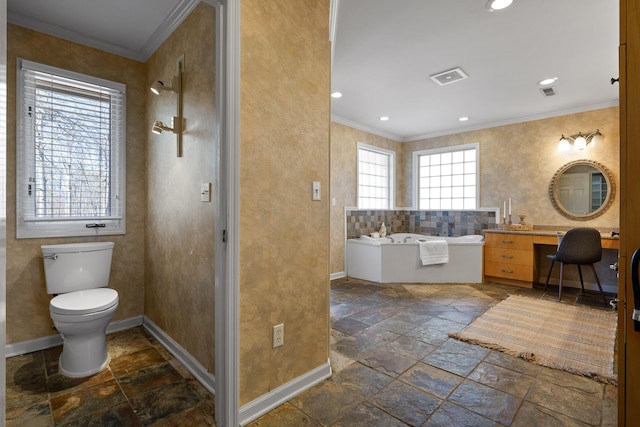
column 511, row 382
column 450, row 415
column 327, row 402
column 513, row 363
column 610, row 406
column 406, row 403
column 566, row 379
column 147, row 379
column 429, row 335
column 531, row 415
column 26, row 382
column 349, row 326
column 135, row 361
column 457, row 357
column 362, row 380
column 79, row 404
column 493, row 404
column 59, row 384
column 387, row 361
column 435, row 381
column 116, row 416
column 34, row 415
column 367, row 415
column 339, row 361
column 125, row 342
column 411, row 347
column 284, row 415
column 576, row 403
column 174, row 398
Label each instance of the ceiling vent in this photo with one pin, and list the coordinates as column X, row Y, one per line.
column 449, row 76
column 548, row 91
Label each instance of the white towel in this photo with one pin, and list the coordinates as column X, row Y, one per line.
column 434, row 252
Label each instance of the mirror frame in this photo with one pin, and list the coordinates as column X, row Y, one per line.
column 611, row 186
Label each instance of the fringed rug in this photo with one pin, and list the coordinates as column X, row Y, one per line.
column 576, row 339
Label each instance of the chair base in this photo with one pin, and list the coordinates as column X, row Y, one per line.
column 604, row 298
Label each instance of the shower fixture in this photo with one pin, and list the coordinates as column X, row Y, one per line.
column 177, row 122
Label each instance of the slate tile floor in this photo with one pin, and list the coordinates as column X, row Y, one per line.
column 144, row 385
column 393, row 364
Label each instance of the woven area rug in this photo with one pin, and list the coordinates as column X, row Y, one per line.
column 576, row 339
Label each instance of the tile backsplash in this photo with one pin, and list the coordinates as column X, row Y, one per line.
column 435, row 223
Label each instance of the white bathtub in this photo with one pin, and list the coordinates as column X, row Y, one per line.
column 395, row 259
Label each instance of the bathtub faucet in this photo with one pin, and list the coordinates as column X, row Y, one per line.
column 406, row 239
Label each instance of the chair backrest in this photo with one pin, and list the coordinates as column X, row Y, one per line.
column 580, row 246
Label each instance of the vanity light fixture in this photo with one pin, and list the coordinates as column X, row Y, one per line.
column 177, row 122
column 493, row 5
column 579, row 141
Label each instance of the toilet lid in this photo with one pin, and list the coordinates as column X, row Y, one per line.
column 83, row 302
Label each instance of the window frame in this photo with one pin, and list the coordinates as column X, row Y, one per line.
column 392, row 166
column 449, row 149
column 31, row 227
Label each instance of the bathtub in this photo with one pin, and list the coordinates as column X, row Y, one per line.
column 395, row 259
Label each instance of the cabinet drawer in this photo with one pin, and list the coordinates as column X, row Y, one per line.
column 509, row 241
column 509, row 271
column 509, row 256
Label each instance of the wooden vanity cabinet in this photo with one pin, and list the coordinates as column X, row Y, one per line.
column 509, row 259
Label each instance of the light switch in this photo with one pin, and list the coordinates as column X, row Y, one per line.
column 315, row 190
column 205, row 192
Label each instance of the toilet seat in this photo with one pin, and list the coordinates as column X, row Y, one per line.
column 84, row 302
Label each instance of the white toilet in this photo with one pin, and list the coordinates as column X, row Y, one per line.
column 78, row 274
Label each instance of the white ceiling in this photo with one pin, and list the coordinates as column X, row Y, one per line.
column 130, row 28
column 384, row 52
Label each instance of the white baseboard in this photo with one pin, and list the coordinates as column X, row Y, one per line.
column 197, row 370
column 43, row 343
column 591, row 286
column 338, row 275
column 278, row 396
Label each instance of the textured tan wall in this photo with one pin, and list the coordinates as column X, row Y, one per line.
column 344, row 157
column 180, row 243
column 519, row 160
column 27, row 300
column 284, row 235
column 516, row 161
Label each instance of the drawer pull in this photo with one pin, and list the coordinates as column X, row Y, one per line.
column 507, row 271
column 507, row 256
column 507, row 241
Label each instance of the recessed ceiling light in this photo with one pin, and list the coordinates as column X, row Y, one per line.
column 547, row 81
column 384, row 118
column 336, row 95
column 498, row 4
column 463, row 119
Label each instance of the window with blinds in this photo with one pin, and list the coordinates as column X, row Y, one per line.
column 375, row 177
column 447, row 178
column 71, row 140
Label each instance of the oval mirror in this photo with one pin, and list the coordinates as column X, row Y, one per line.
column 582, row 190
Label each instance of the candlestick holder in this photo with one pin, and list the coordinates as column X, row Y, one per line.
column 510, row 219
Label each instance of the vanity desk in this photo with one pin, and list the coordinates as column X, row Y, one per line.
column 511, row 257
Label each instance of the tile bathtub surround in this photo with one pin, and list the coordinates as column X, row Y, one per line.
column 441, row 223
column 143, row 385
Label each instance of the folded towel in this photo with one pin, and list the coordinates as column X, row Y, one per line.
column 434, row 252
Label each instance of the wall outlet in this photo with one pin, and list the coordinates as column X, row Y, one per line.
column 278, row 335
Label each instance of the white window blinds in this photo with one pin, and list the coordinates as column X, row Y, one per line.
column 72, row 141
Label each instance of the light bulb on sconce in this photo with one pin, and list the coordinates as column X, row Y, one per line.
column 158, row 127
column 579, row 141
column 177, row 122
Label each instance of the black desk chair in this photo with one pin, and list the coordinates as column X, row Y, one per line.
column 580, row 246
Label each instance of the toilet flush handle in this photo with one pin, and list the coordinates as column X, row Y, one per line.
column 52, row 256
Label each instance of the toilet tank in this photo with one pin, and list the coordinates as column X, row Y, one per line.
column 76, row 266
